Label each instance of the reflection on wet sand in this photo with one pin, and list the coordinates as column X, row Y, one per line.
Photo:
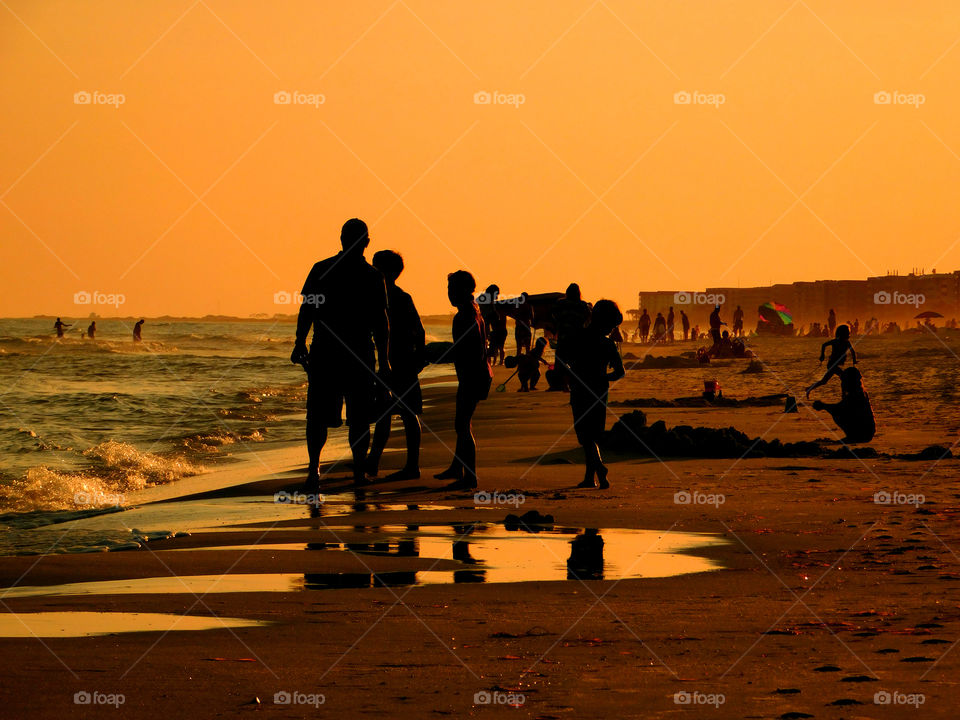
column 487, row 553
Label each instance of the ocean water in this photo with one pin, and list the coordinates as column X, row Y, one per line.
column 83, row 422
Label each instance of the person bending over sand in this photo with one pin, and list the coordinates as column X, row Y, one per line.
column 839, row 347
column 595, row 363
column 407, row 341
column 853, row 413
column 528, row 366
column 474, row 376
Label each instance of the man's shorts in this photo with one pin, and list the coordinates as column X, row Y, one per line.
column 335, row 380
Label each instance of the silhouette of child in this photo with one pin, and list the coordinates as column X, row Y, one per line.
column 853, row 413
column 407, row 340
column 592, row 357
column 528, row 366
column 839, row 347
column 474, row 376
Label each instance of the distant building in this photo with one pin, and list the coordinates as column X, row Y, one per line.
column 888, row 298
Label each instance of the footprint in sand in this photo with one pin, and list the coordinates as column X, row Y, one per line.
column 845, row 701
column 827, row 668
column 886, row 651
column 917, row 659
column 935, row 641
column 786, row 691
column 858, row 679
column 795, row 715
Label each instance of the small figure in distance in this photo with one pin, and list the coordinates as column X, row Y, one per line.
column 670, row 326
column 92, row 330
column 137, row 329
column 523, row 317
column 839, row 347
column 643, row 325
column 853, row 413
column 528, row 366
column 474, row 375
column 685, row 322
column 595, row 363
column 407, row 341
column 738, row 322
column 659, row 329
column 59, row 326
column 715, row 324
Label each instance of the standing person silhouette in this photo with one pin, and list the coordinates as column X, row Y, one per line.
column 643, row 325
column 738, row 322
column 670, row 326
column 474, row 375
column 570, row 315
column 715, row 324
column 345, row 302
column 659, row 329
column 137, row 329
column 495, row 323
column 92, row 330
column 59, row 325
column 594, row 364
column 685, row 323
column 832, row 321
column 524, row 324
column 407, row 341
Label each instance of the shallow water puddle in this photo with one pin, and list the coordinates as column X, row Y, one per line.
column 85, row 624
column 486, row 553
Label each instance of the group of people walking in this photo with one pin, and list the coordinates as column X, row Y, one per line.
column 367, row 352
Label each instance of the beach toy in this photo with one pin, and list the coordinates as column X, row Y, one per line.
column 503, row 386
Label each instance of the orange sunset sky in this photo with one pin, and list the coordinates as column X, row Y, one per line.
column 200, row 194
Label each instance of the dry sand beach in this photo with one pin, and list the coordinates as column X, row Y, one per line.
column 797, row 595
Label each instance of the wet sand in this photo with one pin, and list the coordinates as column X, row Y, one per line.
column 825, row 597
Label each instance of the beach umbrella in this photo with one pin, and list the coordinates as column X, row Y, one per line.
column 772, row 310
column 927, row 314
